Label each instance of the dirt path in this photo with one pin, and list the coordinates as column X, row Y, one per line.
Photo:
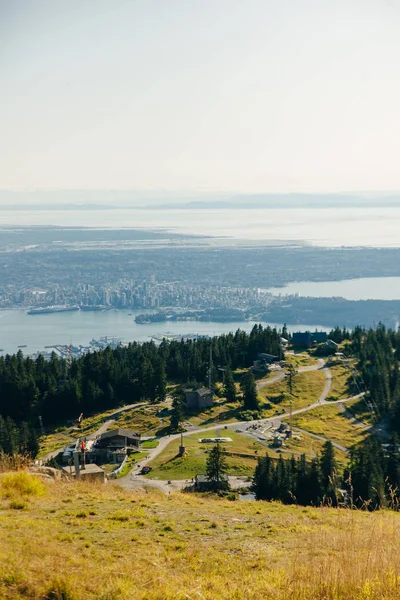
column 134, row 480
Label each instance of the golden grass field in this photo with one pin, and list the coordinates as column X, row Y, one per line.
column 74, row 541
column 307, row 388
column 330, row 422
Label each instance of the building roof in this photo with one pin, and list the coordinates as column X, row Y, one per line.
column 119, row 432
column 301, row 336
column 204, row 479
column 88, row 469
column 203, row 391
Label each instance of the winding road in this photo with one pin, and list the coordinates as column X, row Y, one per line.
column 135, row 480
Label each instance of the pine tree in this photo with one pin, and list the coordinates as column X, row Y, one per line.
column 216, row 467
column 328, row 471
column 229, row 386
column 262, row 480
column 249, row 389
column 176, row 414
column 160, row 380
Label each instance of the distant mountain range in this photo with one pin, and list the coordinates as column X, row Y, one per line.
column 134, row 200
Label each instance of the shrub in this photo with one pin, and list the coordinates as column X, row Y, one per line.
column 21, row 484
column 120, row 516
column 249, row 415
column 59, row 590
column 15, row 505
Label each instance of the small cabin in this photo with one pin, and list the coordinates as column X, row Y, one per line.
column 198, row 398
column 306, row 339
column 202, row 483
column 118, row 438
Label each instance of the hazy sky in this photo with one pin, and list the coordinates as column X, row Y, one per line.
column 238, row 95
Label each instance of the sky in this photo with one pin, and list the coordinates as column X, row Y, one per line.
column 202, row 95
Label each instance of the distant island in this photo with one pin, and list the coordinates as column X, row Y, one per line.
column 219, row 315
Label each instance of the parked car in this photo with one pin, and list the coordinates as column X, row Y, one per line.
column 146, row 469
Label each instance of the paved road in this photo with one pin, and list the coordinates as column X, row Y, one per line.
column 136, row 480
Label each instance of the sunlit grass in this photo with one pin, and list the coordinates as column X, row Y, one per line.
column 341, row 382
column 169, row 465
column 331, row 423
column 307, row 388
column 101, row 542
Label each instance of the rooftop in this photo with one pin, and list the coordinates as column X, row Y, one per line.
column 121, row 432
column 88, row 469
column 204, row 479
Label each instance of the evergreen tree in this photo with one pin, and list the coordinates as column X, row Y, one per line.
column 176, row 414
column 160, row 381
column 229, row 386
column 263, row 478
column 368, row 474
column 216, row 467
column 328, row 471
column 249, row 390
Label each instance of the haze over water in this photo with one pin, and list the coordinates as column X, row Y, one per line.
column 377, row 227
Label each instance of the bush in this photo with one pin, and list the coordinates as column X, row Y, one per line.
column 232, row 496
column 16, row 505
column 21, row 484
column 249, row 415
column 59, row 590
column 278, row 398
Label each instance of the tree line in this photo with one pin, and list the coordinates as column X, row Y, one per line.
column 16, row 439
column 296, row 480
column 59, row 389
column 371, row 480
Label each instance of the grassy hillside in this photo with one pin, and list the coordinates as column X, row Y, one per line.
column 68, row 541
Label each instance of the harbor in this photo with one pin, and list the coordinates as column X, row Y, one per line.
column 79, row 328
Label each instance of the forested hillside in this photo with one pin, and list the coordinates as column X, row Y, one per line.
column 372, row 478
column 56, row 390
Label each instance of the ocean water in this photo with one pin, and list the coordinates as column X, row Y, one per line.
column 319, row 226
column 78, row 328
column 367, row 288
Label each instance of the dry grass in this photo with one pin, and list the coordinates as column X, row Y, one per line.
column 221, row 412
column 331, row 423
column 105, row 543
column 360, row 411
column 341, row 382
column 144, row 420
column 307, row 388
column 300, row 359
